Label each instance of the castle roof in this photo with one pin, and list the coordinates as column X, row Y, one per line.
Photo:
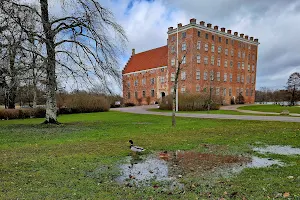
column 147, row 60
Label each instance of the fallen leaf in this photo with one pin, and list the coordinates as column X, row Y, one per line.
column 286, row 194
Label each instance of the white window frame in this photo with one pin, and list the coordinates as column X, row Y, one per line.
column 183, row 75
column 198, row 74
column 225, row 77
column 212, row 48
column 206, row 47
column 218, row 76
column 173, row 62
column 198, row 58
column 212, row 60
column 183, row 46
column 219, row 62
column 219, row 49
column 225, row 63
column 199, row 45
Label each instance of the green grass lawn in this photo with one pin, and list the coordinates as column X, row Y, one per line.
column 63, row 162
column 272, row 108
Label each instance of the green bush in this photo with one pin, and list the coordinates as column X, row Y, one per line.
column 192, row 102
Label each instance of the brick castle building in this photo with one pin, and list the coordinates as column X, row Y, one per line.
column 211, row 58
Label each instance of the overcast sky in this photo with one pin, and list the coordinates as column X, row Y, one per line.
column 276, row 23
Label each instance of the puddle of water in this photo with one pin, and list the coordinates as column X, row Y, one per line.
column 262, row 162
column 277, row 149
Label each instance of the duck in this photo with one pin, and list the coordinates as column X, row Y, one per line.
column 135, row 148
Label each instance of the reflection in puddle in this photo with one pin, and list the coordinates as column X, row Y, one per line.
column 277, row 149
column 263, row 162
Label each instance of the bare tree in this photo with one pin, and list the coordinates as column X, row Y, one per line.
column 293, row 86
column 83, row 43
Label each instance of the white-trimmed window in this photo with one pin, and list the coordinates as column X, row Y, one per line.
column 136, row 83
column 243, row 65
column 225, row 63
column 219, row 49
column 226, row 52
column 205, row 60
column 243, row 55
column 206, row 47
column 253, row 57
column 152, row 81
column 198, row 74
column 212, row 60
column 252, row 79
column 218, row 76
column 143, row 81
column 173, row 62
column 232, row 51
column 183, row 60
column 242, row 80
column 239, row 54
column 183, row 89
column 248, row 67
column 152, row 93
column 248, row 79
column 183, row 75
column 238, row 78
column 219, row 62
column 231, row 63
column 212, row 75
column 198, row 88
column 128, row 83
column 230, row 77
column 253, row 68
column 249, row 46
column 224, row 92
column 225, row 77
column 173, row 76
column 183, row 47
column 230, row 92
column 205, row 75
column 217, row 91
column 144, row 93
column 239, row 65
column 162, row 79
column 199, row 45
column 183, row 34
column 173, row 49
column 212, row 48
column 198, row 59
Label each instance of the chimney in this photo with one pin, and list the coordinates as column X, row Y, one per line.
column 251, row 38
column 193, row 21
column 179, row 25
column 242, row 35
column 202, row 23
column 255, row 40
column 236, row 33
column 246, row 37
column 209, row 25
column 223, row 29
column 170, row 28
column 216, row 27
column 229, row 31
column 133, row 52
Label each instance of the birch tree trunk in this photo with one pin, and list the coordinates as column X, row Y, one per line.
column 51, row 107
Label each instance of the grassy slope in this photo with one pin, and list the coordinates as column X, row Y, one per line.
column 271, row 108
column 55, row 162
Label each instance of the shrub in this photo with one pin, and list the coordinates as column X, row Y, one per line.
column 39, row 112
column 9, row 114
column 148, row 99
column 129, row 104
column 192, row 102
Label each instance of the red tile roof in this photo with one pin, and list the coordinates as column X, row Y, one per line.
column 147, row 60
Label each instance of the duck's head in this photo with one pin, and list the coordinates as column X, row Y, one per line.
column 130, row 141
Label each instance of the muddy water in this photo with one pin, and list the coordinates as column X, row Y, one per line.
column 277, row 149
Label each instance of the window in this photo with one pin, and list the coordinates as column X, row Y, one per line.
column 199, row 34
column 212, row 60
column 173, row 76
column 218, row 76
column 198, row 45
column 219, row 49
column 183, row 47
column 231, row 63
column 249, row 46
column 253, row 67
column 226, row 41
column 248, row 79
column 247, row 91
column 225, row 77
column 238, row 78
column 211, row 75
column 198, row 59
column 143, row 81
column 224, row 92
column 243, row 65
column 205, row 60
column 243, row 55
column 226, row 52
column 225, row 63
column 248, row 67
column 231, row 52
column 232, row 42
column 253, row 57
column 183, row 60
column 220, row 39
column 128, row 95
column 239, row 65
column 197, row 88
column 242, row 80
column 206, row 35
column 248, row 57
column 183, row 90
column 173, row 38
column 128, row 75
column 217, row 91
column 152, row 93
column 162, row 79
column 213, row 37
column 183, row 75
column 128, row 84
column 252, row 79
column 239, row 54
column 205, row 75
column 144, row 93
column 230, row 92
column 135, row 74
column 172, row 61
column 173, row 49
column 136, row 94
column 152, row 80
column 219, row 62
column 183, row 34
column 213, row 48
column 198, row 74
column 230, row 77
column 136, row 83
column 206, row 47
